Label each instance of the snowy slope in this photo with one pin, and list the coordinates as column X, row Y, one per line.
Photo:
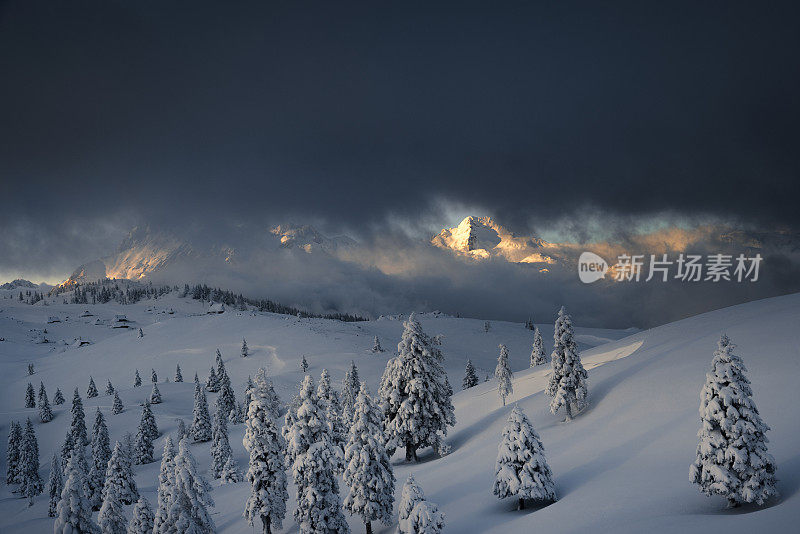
column 621, row 465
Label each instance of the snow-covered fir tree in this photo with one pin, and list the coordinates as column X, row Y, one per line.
column 30, row 482
column 410, row 496
column 329, row 400
column 248, row 385
column 220, row 446
column 537, row 351
column 503, row 374
column 212, row 384
column 567, row 383
column 245, row 350
column 487, row 326
column 732, row 457
column 230, row 472
column 368, row 472
column 155, row 395
column 140, row 334
column 109, row 388
column 101, row 453
column 470, row 378
column 126, row 463
column 521, row 469
column 45, row 411
column 166, row 483
column 351, row 385
column 137, row 380
column 58, row 398
column 91, row 391
column 416, row 394
column 153, row 376
column 30, row 396
column 190, row 500
column 142, row 520
column 265, row 445
column 228, row 399
column 237, row 415
column 181, row 431
column 201, row 420
column 74, row 514
column 117, row 406
column 66, row 450
column 376, row 345
column 178, row 375
column 55, row 484
column 426, row 518
column 13, row 453
column 78, row 423
column 31, row 370
column 304, row 364
column 42, row 393
column 315, row 460
column 143, row 442
column 111, row 518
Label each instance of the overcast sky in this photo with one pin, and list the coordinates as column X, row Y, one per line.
column 359, row 116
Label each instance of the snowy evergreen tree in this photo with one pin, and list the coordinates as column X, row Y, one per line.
column 140, row 334
column 74, row 515
column 228, row 399
column 245, row 350
column 351, row 385
column 101, row 453
column 220, row 446
column 31, row 369
column 66, row 451
column 230, row 472
column 153, row 376
column 212, row 384
column 112, row 518
column 567, row 383
column 732, row 457
column 237, row 416
column 521, row 469
column 329, row 400
column 304, row 364
column 415, row 394
column 487, row 326
column 537, row 351
column 117, row 477
column 155, row 395
column 55, row 484
column 502, row 372
column 470, row 378
column 201, row 420
column 131, row 495
column 178, row 375
column 91, row 392
column 181, row 431
column 143, row 442
column 410, row 496
column 30, row 482
column 426, row 518
column 166, row 483
column 265, row 445
column 368, row 472
column 315, row 460
column 58, row 398
column 30, row 396
column 109, row 388
column 137, row 380
column 45, row 411
column 142, row 520
column 188, row 511
column 13, row 453
column 78, row 424
column 247, row 397
column 117, row 407
column 376, row 345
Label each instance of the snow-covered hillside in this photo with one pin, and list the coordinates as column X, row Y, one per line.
column 622, row 465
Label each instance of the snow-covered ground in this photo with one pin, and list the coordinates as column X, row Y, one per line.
column 622, row 465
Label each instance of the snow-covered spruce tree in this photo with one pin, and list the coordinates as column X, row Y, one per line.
column 137, row 380
column 368, row 472
column 236, row 417
column 117, row 477
column 74, row 515
column 410, row 496
column 351, row 385
column 245, row 350
column 329, row 400
column 230, row 472
column 155, row 395
column 470, row 378
column 31, row 369
column 426, row 518
column 66, row 451
column 376, row 345
column 42, row 393
column 30, row 396
column 30, row 482
column 212, row 384
column 13, row 453
column 143, row 442
column 315, row 461
column 109, row 388
column 567, row 383
column 117, row 407
column 220, row 446
column 265, row 445
column 416, row 394
column 55, row 484
column 45, row 411
column 101, row 453
column 487, row 326
column 112, row 518
column 201, row 420
column 126, row 465
column 78, row 424
column 181, row 431
column 166, row 483
column 248, row 385
column 521, row 469
column 732, row 458
column 188, row 511
column 502, row 372
column 228, row 399
column 153, row 376
column 178, row 375
column 91, row 391
column 58, row 398
column 304, row 364
column 537, row 351
column 142, row 520
column 140, row 334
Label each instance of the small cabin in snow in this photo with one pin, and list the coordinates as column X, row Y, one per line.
column 216, row 307
column 87, row 313
column 53, row 319
column 120, row 321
